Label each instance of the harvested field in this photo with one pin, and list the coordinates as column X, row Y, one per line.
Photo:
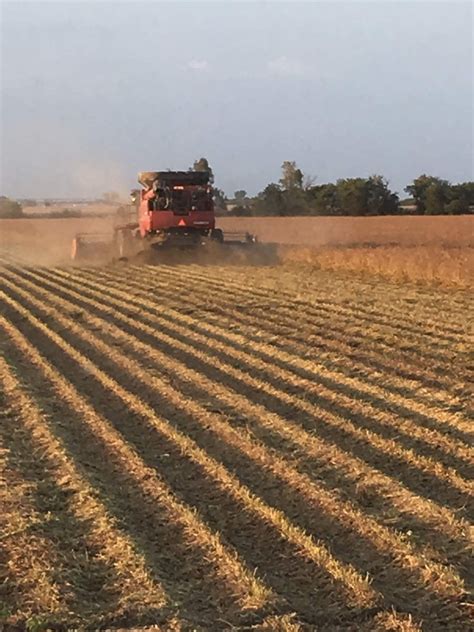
column 233, row 447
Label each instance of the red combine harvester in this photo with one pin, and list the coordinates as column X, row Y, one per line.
column 173, row 209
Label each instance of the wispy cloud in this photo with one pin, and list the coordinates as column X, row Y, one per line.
column 286, row 67
column 199, row 65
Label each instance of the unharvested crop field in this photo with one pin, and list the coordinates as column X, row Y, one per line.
column 233, row 447
column 398, row 230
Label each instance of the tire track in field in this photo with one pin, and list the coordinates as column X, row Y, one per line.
column 155, row 389
column 413, row 351
column 401, row 296
column 102, row 578
column 427, row 438
column 309, row 563
column 281, row 329
column 296, row 312
column 397, row 298
column 147, row 332
column 237, row 279
column 27, row 583
column 76, row 572
column 362, row 335
column 238, row 316
column 333, row 309
column 337, row 325
column 296, row 436
column 255, row 386
column 99, row 448
column 252, row 314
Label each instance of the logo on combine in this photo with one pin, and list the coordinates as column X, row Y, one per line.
column 181, row 222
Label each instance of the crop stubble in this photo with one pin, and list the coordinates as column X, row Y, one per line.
column 227, row 446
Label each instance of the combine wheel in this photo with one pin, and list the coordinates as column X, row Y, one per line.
column 217, row 235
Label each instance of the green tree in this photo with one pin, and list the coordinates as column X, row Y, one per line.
column 380, row 200
column 461, row 198
column 270, row 201
column 202, row 164
column 352, row 196
column 291, row 176
column 418, row 189
column 467, row 189
column 458, row 206
column 322, row 199
column 296, row 202
column 436, row 198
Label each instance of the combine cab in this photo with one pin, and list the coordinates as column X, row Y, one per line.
column 173, row 209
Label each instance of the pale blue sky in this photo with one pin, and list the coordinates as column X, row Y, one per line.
column 93, row 92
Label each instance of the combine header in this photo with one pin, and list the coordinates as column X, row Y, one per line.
column 173, row 209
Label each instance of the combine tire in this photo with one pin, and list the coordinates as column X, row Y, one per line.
column 217, row 235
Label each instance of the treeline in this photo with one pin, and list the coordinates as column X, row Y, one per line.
column 293, row 195
column 434, row 196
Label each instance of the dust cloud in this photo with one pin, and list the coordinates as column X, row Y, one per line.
column 47, row 241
